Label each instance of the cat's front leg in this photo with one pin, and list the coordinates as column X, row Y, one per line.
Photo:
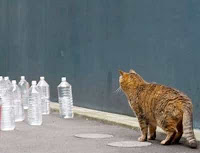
column 152, row 131
column 144, row 129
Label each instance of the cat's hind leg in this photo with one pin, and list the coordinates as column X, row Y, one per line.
column 169, row 126
column 179, row 133
column 169, row 138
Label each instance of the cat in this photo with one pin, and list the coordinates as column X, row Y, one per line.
column 158, row 105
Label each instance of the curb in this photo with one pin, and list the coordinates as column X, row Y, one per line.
column 110, row 118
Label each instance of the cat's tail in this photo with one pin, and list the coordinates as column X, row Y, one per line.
column 188, row 126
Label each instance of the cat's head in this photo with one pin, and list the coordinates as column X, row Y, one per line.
column 129, row 79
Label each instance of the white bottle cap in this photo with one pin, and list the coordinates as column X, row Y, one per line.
column 34, row 82
column 1, row 78
column 6, row 78
column 63, row 79
column 14, row 81
column 22, row 77
column 42, row 78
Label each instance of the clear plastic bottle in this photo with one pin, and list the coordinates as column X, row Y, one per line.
column 2, row 89
column 17, row 101
column 0, row 109
column 7, row 82
column 7, row 113
column 24, row 87
column 65, row 99
column 34, row 108
column 2, row 86
column 45, row 95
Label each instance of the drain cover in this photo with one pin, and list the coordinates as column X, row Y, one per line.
column 128, row 144
column 93, row 136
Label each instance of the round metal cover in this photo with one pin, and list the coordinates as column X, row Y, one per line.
column 128, row 144
column 93, row 136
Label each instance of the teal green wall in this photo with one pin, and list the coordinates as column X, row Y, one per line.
column 89, row 40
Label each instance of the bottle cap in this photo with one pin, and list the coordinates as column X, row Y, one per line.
column 6, row 78
column 22, row 77
column 42, row 78
column 34, row 82
column 63, row 79
column 14, row 81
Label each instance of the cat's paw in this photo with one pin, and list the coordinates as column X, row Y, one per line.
column 165, row 142
column 142, row 139
column 152, row 137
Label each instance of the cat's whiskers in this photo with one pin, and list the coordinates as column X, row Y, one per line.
column 119, row 90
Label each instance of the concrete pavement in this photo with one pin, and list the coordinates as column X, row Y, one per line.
column 111, row 118
column 56, row 135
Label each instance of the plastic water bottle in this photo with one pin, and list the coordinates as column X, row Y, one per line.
column 34, row 105
column 8, row 83
column 17, row 101
column 7, row 112
column 45, row 95
column 24, row 86
column 2, row 89
column 0, row 110
column 65, row 99
column 2, row 86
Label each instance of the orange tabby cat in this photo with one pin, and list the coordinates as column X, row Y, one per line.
column 159, row 105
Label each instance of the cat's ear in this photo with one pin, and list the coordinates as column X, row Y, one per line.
column 121, row 72
column 132, row 71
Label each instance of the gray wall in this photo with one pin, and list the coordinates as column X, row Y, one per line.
column 89, row 40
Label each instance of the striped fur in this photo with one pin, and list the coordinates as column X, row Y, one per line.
column 158, row 105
